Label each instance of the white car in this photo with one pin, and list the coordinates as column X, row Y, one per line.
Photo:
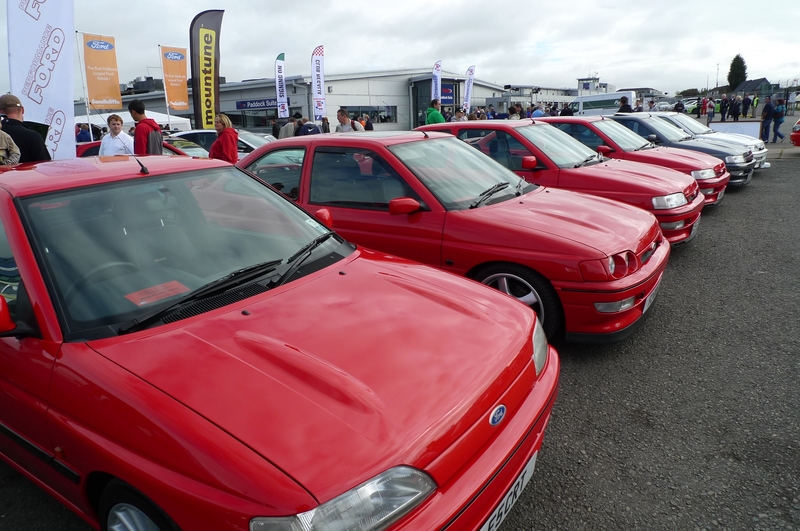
column 205, row 137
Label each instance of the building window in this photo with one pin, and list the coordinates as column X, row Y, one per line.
column 385, row 114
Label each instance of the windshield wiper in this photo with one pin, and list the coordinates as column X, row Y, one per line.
column 647, row 145
column 489, row 192
column 518, row 188
column 586, row 160
column 294, row 262
column 211, row 288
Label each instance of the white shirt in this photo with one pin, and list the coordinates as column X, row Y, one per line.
column 122, row 144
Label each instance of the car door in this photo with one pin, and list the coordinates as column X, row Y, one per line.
column 356, row 185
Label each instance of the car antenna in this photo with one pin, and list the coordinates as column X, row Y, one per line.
column 143, row 170
column 424, row 134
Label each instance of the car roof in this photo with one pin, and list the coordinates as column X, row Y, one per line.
column 372, row 137
column 42, row 177
column 482, row 124
column 581, row 118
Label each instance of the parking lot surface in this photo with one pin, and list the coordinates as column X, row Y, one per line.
column 693, row 423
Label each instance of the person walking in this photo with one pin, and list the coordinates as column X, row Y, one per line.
column 755, row 105
column 30, row 143
column 116, row 142
column 703, row 106
column 710, row 108
column 434, row 115
column 147, row 139
column 226, row 146
column 724, row 106
column 777, row 116
column 736, row 108
column 767, row 116
column 679, row 107
column 746, row 103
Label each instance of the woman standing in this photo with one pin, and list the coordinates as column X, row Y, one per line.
column 225, row 147
column 115, row 142
column 711, row 106
column 736, row 108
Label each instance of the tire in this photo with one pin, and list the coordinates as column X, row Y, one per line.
column 530, row 288
column 123, row 508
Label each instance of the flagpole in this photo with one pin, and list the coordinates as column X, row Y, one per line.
column 164, row 82
column 82, row 59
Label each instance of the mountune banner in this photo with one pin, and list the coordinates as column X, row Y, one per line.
column 41, row 69
column 468, row 88
column 102, row 77
column 204, row 51
column 436, row 81
column 318, row 83
column 173, row 64
column 280, row 87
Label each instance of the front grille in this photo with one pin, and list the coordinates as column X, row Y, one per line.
column 645, row 257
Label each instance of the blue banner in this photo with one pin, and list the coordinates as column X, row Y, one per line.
column 448, row 94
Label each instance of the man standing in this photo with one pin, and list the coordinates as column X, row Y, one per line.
column 724, row 105
column 368, row 123
column 624, row 105
column 766, row 118
column 308, row 128
column 288, row 128
column 147, row 139
column 537, row 112
column 345, row 123
column 746, row 105
column 276, row 131
column 755, row 105
column 434, row 115
column 30, row 143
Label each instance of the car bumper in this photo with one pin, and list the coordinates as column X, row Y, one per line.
column 741, row 174
column 485, row 485
column 584, row 323
column 713, row 189
column 795, row 138
column 679, row 225
column 760, row 158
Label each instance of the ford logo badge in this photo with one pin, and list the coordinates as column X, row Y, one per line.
column 497, row 415
column 100, row 45
column 173, row 56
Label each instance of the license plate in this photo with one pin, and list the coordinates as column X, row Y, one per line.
column 650, row 298
column 720, row 194
column 508, row 501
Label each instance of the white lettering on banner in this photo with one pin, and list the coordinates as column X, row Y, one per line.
column 44, row 63
column 57, row 120
column 31, row 8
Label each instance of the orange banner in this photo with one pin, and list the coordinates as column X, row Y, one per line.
column 102, row 78
column 173, row 62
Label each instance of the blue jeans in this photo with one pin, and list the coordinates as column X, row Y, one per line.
column 765, row 129
column 775, row 132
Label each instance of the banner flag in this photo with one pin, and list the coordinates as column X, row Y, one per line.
column 173, row 64
column 318, row 84
column 102, row 77
column 280, row 87
column 436, row 81
column 468, row 88
column 204, row 33
column 41, row 68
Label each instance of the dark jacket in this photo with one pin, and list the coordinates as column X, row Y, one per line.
column 625, row 108
column 309, row 128
column 30, row 143
column 84, row 136
column 276, row 130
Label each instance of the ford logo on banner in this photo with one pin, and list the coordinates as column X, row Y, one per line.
column 173, row 56
column 497, row 415
column 100, row 45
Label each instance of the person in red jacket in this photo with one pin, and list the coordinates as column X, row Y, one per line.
column 147, row 139
column 225, row 147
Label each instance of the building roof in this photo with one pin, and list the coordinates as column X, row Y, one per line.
column 752, row 85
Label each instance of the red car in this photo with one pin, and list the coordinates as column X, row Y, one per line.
column 616, row 141
column 164, row 367
column 92, row 149
column 544, row 155
column 589, row 266
column 795, row 134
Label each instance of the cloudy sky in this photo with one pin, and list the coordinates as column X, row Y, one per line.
column 668, row 46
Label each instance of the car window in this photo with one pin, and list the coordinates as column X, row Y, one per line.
column 9, row 274
column 355, row 178
column 563, row 150
column 203, row 139
column 499, row 145
column 582, row 134
column 92, row 151
column 619, row 133
column 281, row 168
column 243, row 148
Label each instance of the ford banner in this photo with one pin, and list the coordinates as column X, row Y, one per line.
column 173, row 63
column 102, row 78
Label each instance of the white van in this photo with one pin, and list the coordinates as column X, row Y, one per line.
column 606, row 103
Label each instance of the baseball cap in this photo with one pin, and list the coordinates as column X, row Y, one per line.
column 9, row 100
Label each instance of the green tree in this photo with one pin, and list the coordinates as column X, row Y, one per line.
column 688, row 93
column 738, row 72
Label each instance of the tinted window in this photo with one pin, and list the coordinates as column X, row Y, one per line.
column 92, row 151
column 582, row 134
column 281, row 168
column 9, row 274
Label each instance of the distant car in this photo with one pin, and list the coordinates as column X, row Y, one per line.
column 664, row 106
column 587, row 265
column 558, row 160
column 176, row 355
column 187, row 146
column 795, row 135
column 92, row 149
column 616, row 141
column 739, row 161
column 205, row 137
column 692, row 108
column 698, row 130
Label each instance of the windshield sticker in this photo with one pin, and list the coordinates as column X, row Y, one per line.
column 156, row 293
column 316, row 225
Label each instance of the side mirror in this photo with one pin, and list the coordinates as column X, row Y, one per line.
column 6, row 324
column 529, row 162
column 653, row 139
column 604, row 150
column 403, row 205
column 324, row 216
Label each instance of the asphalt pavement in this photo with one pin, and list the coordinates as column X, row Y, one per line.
column 692, row 423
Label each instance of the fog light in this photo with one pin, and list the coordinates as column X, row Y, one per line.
column 706, row 191
column 675, row 225
column 613, row 307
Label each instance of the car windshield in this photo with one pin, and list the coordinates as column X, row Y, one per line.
column 457, row 174
column 252, row 138
column 690, row 124
column 115, row 252
column 627, row 139
column 667, row 130
column 188, row 147
column 558, row 146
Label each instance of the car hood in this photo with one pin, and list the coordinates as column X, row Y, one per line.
column 713, row 147
column 336, row 377
column 693, row 160
column 654, row 180
column 731, row 138
column 590, row 222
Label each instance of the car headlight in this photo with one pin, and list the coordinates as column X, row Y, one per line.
column 669, row 201
column 539, row 347
column 796, row 128
column 708, row 173
column 735, row 159
column 372, row 506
